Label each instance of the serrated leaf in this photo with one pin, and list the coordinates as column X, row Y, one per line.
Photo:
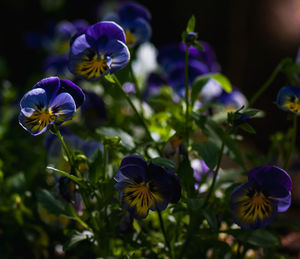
column 164, row 162
column 248, row 128
column 126, row 139
column 208, row 151
column 191, row 24
column 109, row 78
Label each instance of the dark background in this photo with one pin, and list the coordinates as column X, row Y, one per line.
column 249, row 38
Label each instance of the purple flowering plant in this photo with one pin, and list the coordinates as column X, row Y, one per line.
column 127, row 159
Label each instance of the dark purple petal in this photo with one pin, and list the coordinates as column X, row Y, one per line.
column 27, row 119
column 63, row 106
column 108, row 29
column 134, row 172
column 36, row 99
column 134, row 160
column 79, row 45
column 131, row 11
column 119, row 54
column 74, row 90
column 266, row 173
column 284, row 203
column 51, row 85
column 250, row 208
column 140, row 29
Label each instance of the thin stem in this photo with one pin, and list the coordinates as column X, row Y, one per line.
column 293, row 141
column 264, row 87
column 137, row 88
column 162, row 226
column 64, row 146
column 187, row 91
column 140, row 117
column 210, row 191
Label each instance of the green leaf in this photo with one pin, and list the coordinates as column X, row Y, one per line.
column 95, row 167
column 191, row 24
column 76, row 238
column 109, row 78
column 259, row 237
column 208, row 151
column 248, row 128
column 193, row 204
column 71, row 177
column 164, row 162
column 223, row 81
column 211, row 218
column 197, row 86
column 126, row 139
column 229, row 142
column 51, row 203
column 198, row 45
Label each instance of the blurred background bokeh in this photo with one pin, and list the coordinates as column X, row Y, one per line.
column 249, row 38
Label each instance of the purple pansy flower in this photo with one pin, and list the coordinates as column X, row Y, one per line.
column 135, row 20
column 255, row 204
column 99, row 50
column 51, row 101
column 144, row 186
column 172, row 61
column 288, row 99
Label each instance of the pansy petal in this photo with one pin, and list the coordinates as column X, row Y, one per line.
column 162, row 186
column 50, row 85
column 74, row 90
column 130, row 11
column 63, row 106
column 140, row 29
column 134, row 159
column 266, row 172
column 284, row 203
column 250, row 208
column 108, row 29
column 35, row 98
column 134, row 172
column 79, row 45
column 28, row 119
column 135, row 197
column 119, row 55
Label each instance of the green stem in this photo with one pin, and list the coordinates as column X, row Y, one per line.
column 210, row 191
column 140, row 117
column 64, row 146
column 137, row 88
column 264, row 87
column 162, row 226
column 187, row 91
column 293, row 141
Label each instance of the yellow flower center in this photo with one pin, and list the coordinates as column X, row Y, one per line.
column 92, row 67
column 293, row 104
column 256, row 205
column 130, row 38
column 141, row 196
